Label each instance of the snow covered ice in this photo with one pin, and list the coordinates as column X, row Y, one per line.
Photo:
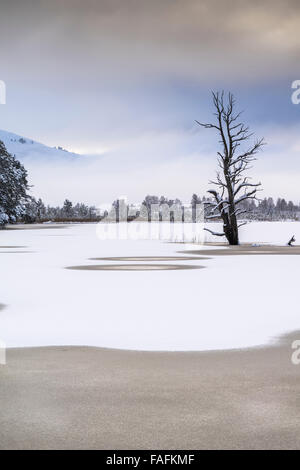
column 236, row 301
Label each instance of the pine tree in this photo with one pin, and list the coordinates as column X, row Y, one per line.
column 13, row 187
column 67, row 209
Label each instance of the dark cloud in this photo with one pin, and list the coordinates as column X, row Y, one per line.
column 134, row 39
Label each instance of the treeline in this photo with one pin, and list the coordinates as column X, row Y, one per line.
column 268, row 210
column 36, row 211
column 263, row 209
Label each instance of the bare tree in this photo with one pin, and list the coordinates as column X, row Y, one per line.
column 233, row 186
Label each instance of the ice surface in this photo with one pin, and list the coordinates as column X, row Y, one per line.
column 236, row 301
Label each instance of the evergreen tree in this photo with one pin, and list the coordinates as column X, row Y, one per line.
column 41, row 209
column 13, row 187
column 67, row 209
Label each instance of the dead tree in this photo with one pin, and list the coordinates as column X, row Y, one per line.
column 233, row 186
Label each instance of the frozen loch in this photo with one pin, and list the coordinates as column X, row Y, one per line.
column 231, row 302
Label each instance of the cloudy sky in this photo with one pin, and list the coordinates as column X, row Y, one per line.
column 126, row 79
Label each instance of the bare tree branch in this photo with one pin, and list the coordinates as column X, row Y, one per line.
column 217, row 234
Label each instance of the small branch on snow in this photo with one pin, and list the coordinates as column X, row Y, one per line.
column 217, row 234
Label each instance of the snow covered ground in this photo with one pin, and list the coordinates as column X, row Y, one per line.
column 236, row 301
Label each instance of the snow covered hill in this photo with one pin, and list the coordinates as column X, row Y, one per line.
column 26, row 149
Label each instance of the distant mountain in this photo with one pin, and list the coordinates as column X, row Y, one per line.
column 27, row 149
